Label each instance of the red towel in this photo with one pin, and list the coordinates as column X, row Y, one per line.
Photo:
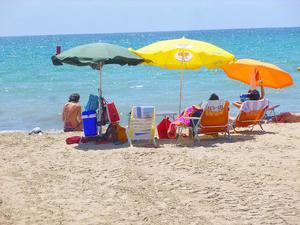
column 73, row 140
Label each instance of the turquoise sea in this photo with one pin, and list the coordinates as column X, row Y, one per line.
column 33, row 91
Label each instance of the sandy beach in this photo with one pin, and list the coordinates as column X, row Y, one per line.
column 252, row 179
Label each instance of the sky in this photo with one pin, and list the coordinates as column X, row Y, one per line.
column 43, row 17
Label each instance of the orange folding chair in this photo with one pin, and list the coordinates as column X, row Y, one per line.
column 213, row 120
column 251, row 113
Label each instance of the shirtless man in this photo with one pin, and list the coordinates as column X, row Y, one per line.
column 72, row 114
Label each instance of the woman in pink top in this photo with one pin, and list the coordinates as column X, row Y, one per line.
column 72, row 114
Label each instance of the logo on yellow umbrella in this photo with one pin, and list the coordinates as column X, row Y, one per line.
column 183, row 56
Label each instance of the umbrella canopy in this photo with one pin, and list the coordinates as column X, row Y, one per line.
column 271, row 75
column 95, row 54
column 184, row 54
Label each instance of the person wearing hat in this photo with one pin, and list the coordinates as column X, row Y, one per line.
column 72, row 114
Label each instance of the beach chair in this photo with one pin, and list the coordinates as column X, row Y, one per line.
column 213, row 120
column 251, row 113
column 142, row 125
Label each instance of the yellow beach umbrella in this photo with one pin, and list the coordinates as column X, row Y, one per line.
column 184, row 54
column 271, row 75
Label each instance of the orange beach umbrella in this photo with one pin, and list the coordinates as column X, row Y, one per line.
column 271, row 75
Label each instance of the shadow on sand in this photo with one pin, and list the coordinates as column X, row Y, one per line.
column 92, row 146
column 205, row 141
column 211, row 141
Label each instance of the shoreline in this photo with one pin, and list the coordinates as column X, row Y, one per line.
column 51, row 131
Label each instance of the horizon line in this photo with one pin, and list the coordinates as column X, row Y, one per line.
column 158, row 31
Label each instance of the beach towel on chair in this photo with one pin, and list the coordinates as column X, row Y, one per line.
column 181, row 121
column 251, row 113
column 213, row 107
column 249, row 106
column 214, row 118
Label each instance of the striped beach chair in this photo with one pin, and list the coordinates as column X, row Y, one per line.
column 142, row 125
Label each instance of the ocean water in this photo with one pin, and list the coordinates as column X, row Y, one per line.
column 33, row 91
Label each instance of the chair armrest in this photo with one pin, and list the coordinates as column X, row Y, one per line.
column 273, row 107
column 191, row 118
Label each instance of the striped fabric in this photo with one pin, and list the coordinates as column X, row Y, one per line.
column 141, row 112
column 142, row 123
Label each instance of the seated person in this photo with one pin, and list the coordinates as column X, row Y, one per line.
column 192, row 111
column 287, row 117
column 253, row 95
column 213, row 96
column 72, row 114
column 199, row 111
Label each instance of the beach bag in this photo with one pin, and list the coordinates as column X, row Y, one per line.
column 112, row 112
column 172, row 131
column 121, row 133
column 162, row 128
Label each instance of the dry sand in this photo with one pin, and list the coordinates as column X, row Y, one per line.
column 252, row 179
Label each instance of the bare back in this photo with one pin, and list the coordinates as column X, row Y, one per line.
column 72, row 116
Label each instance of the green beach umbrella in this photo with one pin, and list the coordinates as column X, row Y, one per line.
column 96, row 55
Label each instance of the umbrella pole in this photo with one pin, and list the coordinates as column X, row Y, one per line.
column 100, row 99
column 180, row 95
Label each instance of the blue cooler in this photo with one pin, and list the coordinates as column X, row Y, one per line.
column 89, row 119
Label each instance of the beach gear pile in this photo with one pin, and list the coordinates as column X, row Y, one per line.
column 115, row 133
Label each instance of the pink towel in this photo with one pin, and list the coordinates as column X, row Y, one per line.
column 181, row 121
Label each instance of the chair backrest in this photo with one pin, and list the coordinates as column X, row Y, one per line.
column 142, row 123
column 215, row 116
column 251, row 112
